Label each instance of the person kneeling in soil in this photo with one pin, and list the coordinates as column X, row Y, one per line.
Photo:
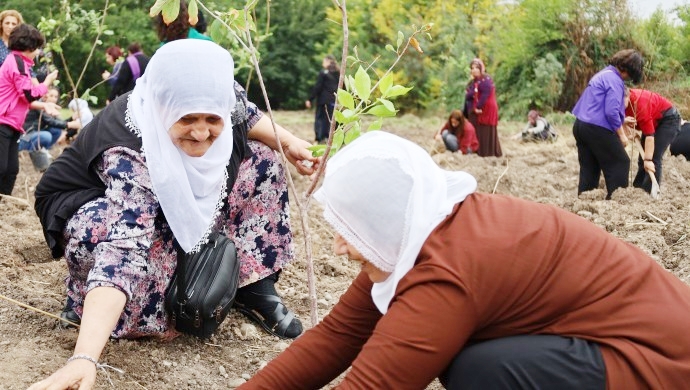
column 537, row 128
column 458, row 134
column 483, row 291
column 158, row 165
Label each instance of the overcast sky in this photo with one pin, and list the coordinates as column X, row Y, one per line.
column 644, row 8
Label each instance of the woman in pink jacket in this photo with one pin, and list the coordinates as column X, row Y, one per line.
column 17, row 91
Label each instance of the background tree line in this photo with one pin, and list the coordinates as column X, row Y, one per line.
column 540, row 54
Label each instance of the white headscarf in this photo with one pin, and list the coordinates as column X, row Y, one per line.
column 183, row 77
column 384, row 195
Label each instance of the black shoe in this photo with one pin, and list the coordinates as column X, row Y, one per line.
column 269, row 312
column 69, row 316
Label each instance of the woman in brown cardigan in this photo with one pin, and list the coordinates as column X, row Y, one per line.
column 483, row 291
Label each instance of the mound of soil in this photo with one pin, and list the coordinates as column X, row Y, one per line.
column 32, row 347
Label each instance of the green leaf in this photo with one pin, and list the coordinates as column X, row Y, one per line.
column 353, row 133
column 339, row 117
column 401, row 36
column 376, row 125
column 333, row 152
column 338, row 138
column 362, row 84
column 389, row 105
column 317, row 150
column 390, row 47
column 345, row 99
column 397, row 90
column 381, row 111
column 170, row 11
column 349, row 116
column 385, row 83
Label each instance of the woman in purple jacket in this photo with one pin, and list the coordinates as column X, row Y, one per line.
column 600, row 112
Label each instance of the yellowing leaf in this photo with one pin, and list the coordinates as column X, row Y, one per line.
column 193, row 11
column 415, row 44
column 170, row 11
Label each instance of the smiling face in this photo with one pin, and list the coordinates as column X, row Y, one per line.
column 195, row 133
column 8, row 24
column 342, row 247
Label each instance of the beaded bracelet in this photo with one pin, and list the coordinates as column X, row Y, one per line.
column 85, row 357
column 98, row 365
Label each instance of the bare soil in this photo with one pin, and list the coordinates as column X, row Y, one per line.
column 32, row 347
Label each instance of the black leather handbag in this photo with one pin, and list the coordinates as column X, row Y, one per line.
column 204, row 287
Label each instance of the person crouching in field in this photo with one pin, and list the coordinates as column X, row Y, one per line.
column 537, row 128
column 458, row 134
column 483, row 291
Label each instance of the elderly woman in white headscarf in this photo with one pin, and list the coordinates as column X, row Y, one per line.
column 483, row 291
column 154, row 166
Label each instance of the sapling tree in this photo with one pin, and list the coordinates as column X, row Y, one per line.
column 358, row 95
column 74, row 22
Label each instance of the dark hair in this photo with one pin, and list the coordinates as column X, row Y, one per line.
column 201, row 25
column 460, row 130
column 134, row 47
column 177, row 29
column 332, row 64
column 114, row 51
column 25, row 37
column 630, row 61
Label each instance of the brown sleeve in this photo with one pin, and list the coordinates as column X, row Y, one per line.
column 425, row 327
column 325, row 351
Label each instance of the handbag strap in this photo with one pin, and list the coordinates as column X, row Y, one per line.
column 181, row 272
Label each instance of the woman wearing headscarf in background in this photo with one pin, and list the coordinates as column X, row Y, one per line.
column 484, row 291
column 154, row 165
column 323, row 93
column 659, row 122
column 482, row 110
column 599, row 114
column 263, row 247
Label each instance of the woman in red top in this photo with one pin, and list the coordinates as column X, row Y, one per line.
column 458, row 134
column 483, row 291
column 482, row 110
column 660, row 123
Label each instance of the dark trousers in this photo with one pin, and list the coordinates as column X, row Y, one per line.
column 9, row 158
column 527, row 362
column 599, row 149
column 666, row 131
column 322, row 121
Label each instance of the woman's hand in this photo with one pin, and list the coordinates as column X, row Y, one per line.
column 478, row 111
column 307, row 103
column 77, row 374
column 52, row 76
column 105, row 75
column 649, row 166
column 297, row 153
